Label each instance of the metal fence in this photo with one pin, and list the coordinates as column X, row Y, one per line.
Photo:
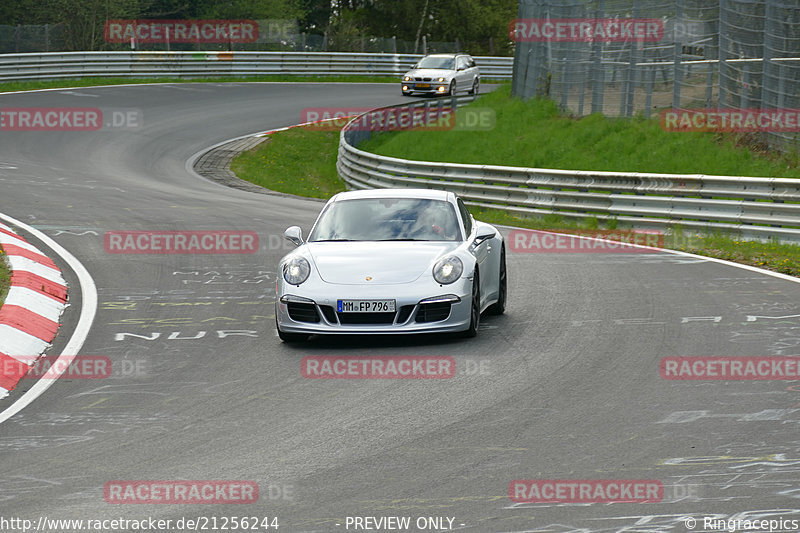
column 15, row 67
column 713, row 53
column 754, row 208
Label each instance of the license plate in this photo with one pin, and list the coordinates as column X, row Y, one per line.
column 365, row 306
column 423, row 86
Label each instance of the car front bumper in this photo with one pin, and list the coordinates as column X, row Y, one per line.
column 313, row 308
column 433, row 88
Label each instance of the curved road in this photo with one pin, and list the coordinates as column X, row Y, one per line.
column 564, row 386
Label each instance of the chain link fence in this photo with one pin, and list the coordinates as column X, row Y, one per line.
column 711, row 54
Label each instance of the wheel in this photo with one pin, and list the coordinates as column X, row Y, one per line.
column 499, row 307
column 452, row 91
column 475, row 86
column 475, row 308
column 289, row 337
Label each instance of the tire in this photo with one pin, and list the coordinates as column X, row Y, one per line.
column 475, row 308
column 475, row 86
column 499, row 307
column 290, row 337
column 452, row 91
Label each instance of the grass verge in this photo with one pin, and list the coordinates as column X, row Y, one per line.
column 534, row 133
column 299, row 161
column 5, row 277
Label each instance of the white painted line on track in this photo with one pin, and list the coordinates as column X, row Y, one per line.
column 85, row 320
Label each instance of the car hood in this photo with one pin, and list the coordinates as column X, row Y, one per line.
column 350, row 263
column 430, row 73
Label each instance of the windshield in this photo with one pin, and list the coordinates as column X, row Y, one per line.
column 387, row 219
column 445, row 63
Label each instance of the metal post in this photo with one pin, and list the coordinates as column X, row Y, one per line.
column 676, row 60
column 598, row 75
column 648, row 100
column 766, row 68
column 709, row 85
column 629, row 83
column 723, row 54
column 424, row 46
column 564, row 84
column 394, row 44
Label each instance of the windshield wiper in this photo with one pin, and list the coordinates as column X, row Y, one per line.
column 334, row 240
column 382, row 240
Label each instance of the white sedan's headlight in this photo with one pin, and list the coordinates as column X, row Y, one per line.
column 296, row 271
column 441, row 79
column 406, row 78
column 447, row 270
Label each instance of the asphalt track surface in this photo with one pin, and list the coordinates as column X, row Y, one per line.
column 569, row 386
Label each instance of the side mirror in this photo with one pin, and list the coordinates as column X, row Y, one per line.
column 483, row 233
column 294, row 234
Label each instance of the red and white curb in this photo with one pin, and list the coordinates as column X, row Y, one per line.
column 29, row 317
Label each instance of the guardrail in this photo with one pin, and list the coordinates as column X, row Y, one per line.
column 755, row 208
column 17, row 67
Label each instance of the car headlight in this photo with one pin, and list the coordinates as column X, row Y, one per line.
column 447, row 270
column 296, row 271
column 441, row 79
column 406, row 78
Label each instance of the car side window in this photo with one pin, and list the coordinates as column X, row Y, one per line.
column 465, row 217
column 470, row 62
column 461, row 62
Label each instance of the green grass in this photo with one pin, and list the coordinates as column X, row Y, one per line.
column 534, row 133
column 91, row 82
column 5, row 277
column 299, row 161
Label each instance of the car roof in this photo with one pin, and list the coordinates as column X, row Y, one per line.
column 447, row 55
column 429, row 194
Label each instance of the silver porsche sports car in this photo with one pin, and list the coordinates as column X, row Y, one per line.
column 391, row 261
